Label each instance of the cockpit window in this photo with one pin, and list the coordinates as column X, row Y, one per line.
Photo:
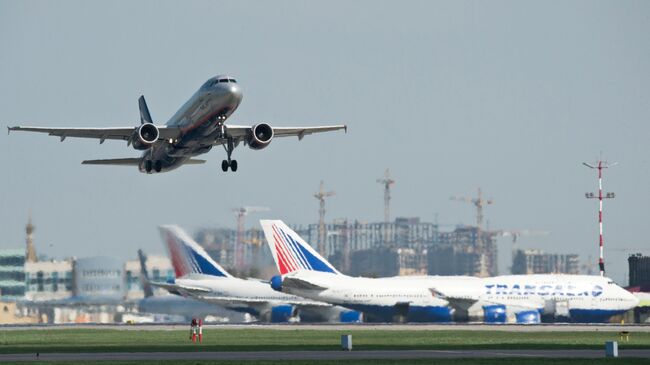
column 232, row 80
column 223, row 80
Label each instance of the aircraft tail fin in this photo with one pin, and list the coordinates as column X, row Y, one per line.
column 187, row 256
column 290, row 252
column 145, row 116
column 144, row 275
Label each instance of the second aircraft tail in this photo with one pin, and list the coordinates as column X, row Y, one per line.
column 290, row 252
column 187, row 256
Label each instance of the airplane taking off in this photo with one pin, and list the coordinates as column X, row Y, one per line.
column 500, row 299
column 305, row 273
column 198, row 276
column 197, row 126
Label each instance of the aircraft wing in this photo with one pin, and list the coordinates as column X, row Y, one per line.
column 291, row 282
column 252, row 301
column 175, row 288
column 456, row 302
column 239, row 131
column 120, row 133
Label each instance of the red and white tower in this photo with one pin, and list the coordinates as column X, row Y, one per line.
column 600, row 165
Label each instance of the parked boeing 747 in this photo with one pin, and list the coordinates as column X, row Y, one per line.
column 499, row 299
column 199, row 277
column 197, row 126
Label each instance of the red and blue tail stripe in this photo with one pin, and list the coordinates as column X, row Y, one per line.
column 291, row 252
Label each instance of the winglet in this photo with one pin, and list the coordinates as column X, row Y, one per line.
column 345, row 128
column 8, row 130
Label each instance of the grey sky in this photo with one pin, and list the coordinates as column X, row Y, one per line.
column 509, row 96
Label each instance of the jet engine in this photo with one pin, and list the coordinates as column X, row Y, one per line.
column 494, row 313
column 259, row 136
column 283, row 313
column 276, row 283
column 144, row 136
column 528, row 317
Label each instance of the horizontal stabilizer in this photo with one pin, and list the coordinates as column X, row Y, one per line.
column 132, row 162
column 114, row 161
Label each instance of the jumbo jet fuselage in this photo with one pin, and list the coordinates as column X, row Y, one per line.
column 201, row 121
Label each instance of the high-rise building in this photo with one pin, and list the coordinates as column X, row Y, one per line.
column 639, row 267
column 527, row 262
column 12, row 274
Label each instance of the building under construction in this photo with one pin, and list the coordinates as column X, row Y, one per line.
column 525, row 262
column 639, row 267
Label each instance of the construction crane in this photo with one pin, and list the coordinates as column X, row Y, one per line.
column 387, row 181
column 241, row 214
column 479, row 203
column 321, row 194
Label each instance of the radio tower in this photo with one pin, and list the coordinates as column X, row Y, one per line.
column 600, row 165
column 322, row 238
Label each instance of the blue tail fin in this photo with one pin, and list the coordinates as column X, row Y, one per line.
column 187, row 256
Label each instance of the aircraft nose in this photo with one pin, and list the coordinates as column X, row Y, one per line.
column 235, row 92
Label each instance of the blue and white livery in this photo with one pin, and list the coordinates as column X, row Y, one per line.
column 305, row 273
column 500, row 299
column 200, row 277
column 525, row 298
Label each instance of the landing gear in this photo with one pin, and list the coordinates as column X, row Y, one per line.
column 152, row 166
column 229, row 146
column 225, row 164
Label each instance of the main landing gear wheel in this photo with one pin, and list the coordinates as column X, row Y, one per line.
column 225, row 164
column 229, row 147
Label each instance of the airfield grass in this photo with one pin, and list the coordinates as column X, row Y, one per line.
column 215, row 339
column 500, row 361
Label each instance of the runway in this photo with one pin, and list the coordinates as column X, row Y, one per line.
column 555, row 327
column 321, row 355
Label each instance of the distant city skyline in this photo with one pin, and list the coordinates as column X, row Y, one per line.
column 508, row 96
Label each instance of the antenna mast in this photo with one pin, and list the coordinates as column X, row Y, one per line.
column 600, row 165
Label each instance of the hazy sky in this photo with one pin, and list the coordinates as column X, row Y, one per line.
column 509, row 96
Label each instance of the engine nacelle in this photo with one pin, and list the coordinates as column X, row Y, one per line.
column 259, row 136
column 350, row 317
column 429, row 314
column 144, row 136
column 283, row 313
column 528, row 317
column 494, row 314
column 276, row 283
